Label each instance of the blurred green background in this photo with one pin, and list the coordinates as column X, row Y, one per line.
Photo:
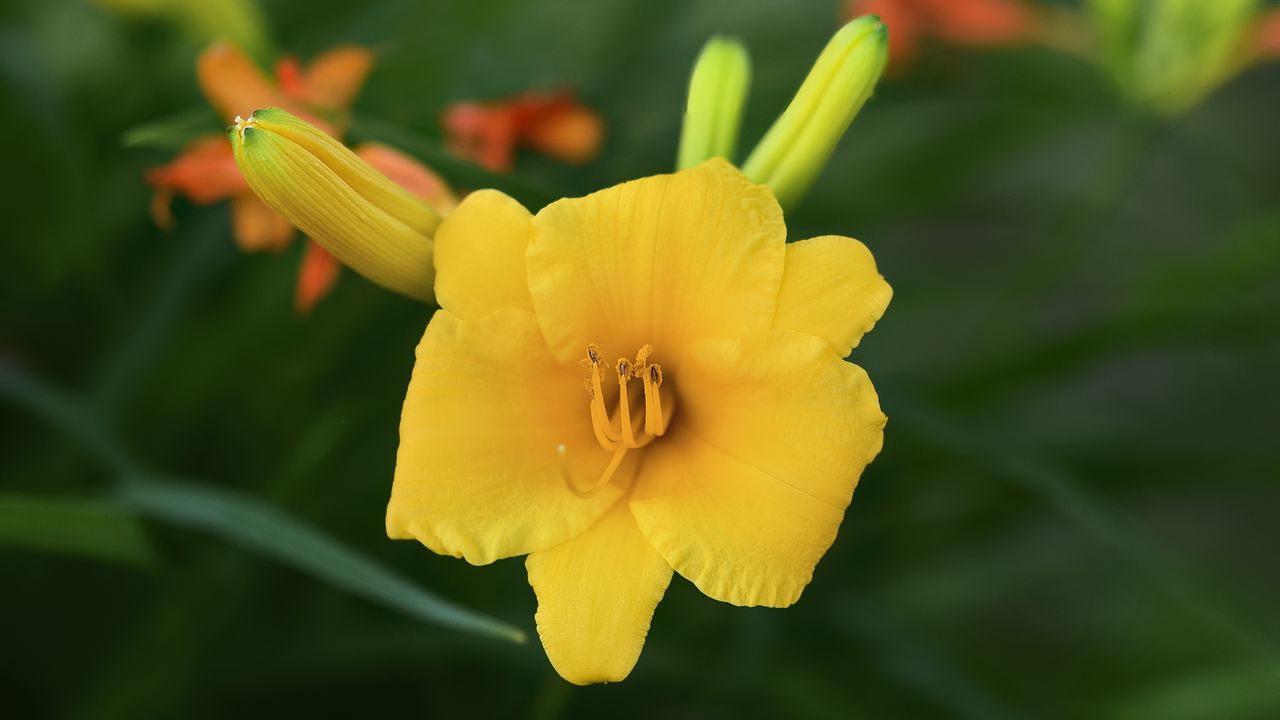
column 1074, row 514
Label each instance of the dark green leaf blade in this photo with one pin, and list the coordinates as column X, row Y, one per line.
column 172, row 132
column 73, row 526
column 269, row 531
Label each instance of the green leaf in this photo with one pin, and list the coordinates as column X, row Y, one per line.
column 267, row 530
column 1233, row 691
column 172, row 132
column 250, row 523
column 73, row 526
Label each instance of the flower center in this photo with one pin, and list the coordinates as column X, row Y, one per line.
column 633, row 427
column 242, row 124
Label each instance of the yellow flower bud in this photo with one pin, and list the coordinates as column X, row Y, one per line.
column 801, row 140
column 355, row 212
column 717, row 93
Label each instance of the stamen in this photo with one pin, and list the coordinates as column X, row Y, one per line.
column 624, row 403
column 642, row 357
column 563, row 451
column 654, row 421
column 603, row 428
column 627, row 432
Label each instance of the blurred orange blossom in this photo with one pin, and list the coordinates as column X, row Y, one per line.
column 205, row 171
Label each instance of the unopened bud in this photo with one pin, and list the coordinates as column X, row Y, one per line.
column 802, row 139
column 370, row 223
column 718, row 91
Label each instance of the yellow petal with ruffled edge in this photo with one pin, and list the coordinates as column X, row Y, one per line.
column 596, row 596
column 479, row 258
column 831, row 288
column 488, row 431
column 745, row 494
column 660, row 261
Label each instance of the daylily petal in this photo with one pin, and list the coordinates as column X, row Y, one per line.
column 596, row 596
column 204, row 172
column 316, row 277
column 289, row 78
column 906, row 21
column 486, row 440
column 553, row 123
column 830, row 288
column 657, row 261
column 1267, row 34
column 410, row 175
column 745, row 493
column 982, row 23
column 483, row 134
column 480, row 251
column 256, row 227
column 161, row 208
column 233, row 84
column 569, row 132
column 333, row 79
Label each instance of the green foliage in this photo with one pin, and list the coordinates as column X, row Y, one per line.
column 111, row 532
column 275, row 534
column 1073, row 515
column 73, row 526
column 1170, row 54
column 170, row 133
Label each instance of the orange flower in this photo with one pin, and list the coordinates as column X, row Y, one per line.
column 966, row 23
column 555, row 124
column 1267, row 34
column 316, row 277
column 205, row 171
column 410, row 175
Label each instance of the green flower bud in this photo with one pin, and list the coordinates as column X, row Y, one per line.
column 802, row 139
column 1170, row 54
column 717, row 94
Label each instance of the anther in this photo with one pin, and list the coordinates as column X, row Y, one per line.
column 654, row 421
column 642, row 357
column 624, row 403
column 627, row 432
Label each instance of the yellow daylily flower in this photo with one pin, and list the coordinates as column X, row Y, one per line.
column 719, row 434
